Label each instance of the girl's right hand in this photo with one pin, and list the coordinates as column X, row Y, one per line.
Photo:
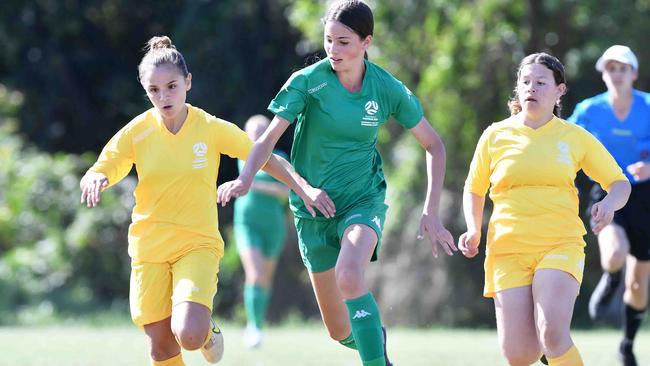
column 468, row 244
column 317, row 198
column 92, row 184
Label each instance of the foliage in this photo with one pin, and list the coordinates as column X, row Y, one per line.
column 52, row 256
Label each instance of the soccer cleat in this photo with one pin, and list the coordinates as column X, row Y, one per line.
column 212, row 350
column 543, row 360
column 253, row 336
column 605, row 303
column 625, row 354
column 383, row 331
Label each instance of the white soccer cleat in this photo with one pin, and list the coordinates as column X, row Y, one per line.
column 253, row 336
column 213, row 350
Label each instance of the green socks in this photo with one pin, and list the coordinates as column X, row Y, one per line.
column 366, row 329
column 256, row 301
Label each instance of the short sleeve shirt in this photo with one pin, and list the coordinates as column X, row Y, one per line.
column 336, row 131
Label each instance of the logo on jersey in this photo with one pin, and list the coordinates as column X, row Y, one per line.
column 360, row 314
column 377, row 221
column 369, row 119
column 563, row 156
column 317, row 88
column 200, row 149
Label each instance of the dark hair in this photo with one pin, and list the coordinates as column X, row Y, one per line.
column 354, row 14
column 161, row 51
column 553, row 64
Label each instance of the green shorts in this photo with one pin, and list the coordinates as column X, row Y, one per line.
column 269, row 240
column 320, row 240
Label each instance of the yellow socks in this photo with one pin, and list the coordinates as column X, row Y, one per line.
column 569, row 358
column 174, row 361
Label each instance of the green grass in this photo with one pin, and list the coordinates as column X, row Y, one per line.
column 306, row 345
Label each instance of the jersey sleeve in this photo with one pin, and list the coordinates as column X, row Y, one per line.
column 291, row 99
column 117, row 157
column 231, row 140
column 598, row 163
column 408, row 110
column 478, row 177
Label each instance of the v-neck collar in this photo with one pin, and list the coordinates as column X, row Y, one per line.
column 162, row 125
column 364, row 83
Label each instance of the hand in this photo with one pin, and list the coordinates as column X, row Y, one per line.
column 232, row 189
column 602, row 215
column 437, row 233
column 468, row 243
column 318, row 198
column 639, row 170
column 92, row 184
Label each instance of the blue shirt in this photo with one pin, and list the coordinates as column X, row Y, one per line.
column 628, row 140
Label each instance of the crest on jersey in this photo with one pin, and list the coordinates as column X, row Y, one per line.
column 200, row 149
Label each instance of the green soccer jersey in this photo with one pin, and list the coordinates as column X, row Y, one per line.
column 335, row 138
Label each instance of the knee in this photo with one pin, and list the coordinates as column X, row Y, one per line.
column 615, row 261
column 349, row 280
column 190, row 339
column 552, row 336
column 521, row 356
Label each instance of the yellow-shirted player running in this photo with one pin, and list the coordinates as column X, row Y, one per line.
column 174, row 242
column 535, row 250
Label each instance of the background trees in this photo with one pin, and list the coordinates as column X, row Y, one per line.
column 69, row 77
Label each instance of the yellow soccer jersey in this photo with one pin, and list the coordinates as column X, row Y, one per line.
column 176, row 197
column 530, row 174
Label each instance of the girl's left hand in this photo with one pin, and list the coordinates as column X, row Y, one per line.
column 602, row 215
column 639, row 170
column 232, row 189
column 433, row 228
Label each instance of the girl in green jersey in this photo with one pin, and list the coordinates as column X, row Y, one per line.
column 339, row 104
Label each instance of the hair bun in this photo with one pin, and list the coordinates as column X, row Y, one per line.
column 159, row 42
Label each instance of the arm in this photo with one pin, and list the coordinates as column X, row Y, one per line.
column 259, row 155
column 435, row 161
column 113, row 164
column 602, row 212
column 639, row 170
column 473, row 205
column 271, row 188
column 279, row 169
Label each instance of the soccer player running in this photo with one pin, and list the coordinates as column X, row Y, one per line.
column 620, row 119
column 259, row 225
column 174, row 242
column 535, row 249
column 339, row 104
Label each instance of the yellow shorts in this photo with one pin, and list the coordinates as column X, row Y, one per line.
column 504, row 271
column 157, row 287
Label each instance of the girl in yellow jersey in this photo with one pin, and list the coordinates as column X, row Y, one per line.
column 174, row 242
column 535, row 250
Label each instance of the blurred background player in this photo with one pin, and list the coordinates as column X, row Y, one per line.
column 620, row 119
column 260, row 230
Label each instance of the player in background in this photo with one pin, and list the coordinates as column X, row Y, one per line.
column 259, row 225
column 535, row 248
column 620, row 119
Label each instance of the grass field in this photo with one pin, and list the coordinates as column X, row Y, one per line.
column 124, row 345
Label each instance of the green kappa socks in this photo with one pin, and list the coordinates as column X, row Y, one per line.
column 366, row 329
column 256, row 301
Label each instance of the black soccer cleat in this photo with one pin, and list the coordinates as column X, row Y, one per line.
column 605, row 303
column 625, row 354
column 543, row 360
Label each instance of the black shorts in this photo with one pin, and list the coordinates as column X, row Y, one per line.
column 634, row 218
